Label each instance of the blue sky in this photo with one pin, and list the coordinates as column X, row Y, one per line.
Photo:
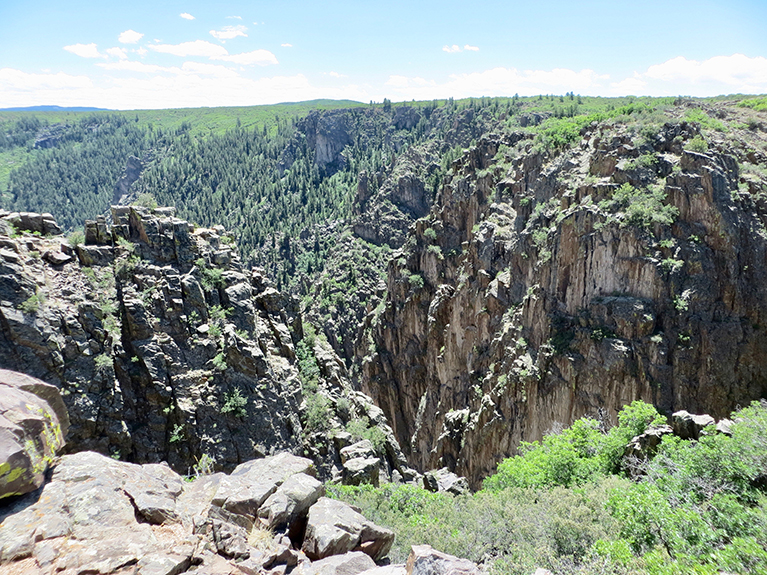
column 142, row 54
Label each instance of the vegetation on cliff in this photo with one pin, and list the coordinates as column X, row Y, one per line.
column 572, row 504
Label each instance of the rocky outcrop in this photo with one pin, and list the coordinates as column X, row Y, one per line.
column 531, row 296
column 43, row 224
column 133, row 168
column 101, row 516
column 33, row 425
column 160, row 342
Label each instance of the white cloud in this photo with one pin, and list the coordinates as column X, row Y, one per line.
column 498, row 82
column 142, row 51
column 130, row 66
column 117, row 53
column 258, row 57
column 19, row 88
column 286, row 45
column 186, row 16
column 196, row 48
column 188, row 68
column 718, row 75
column 234, row 17
column 471, row 48
column 229, row 32
column 451, row 49
column 84, row 50
column 130, row 37
column 336, row 75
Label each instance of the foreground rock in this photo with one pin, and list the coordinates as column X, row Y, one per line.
column 334, row 527
column 33, row 424
column 101, row 516
column 424, row 560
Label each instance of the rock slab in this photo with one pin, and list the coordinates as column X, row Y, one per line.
column 33, row 423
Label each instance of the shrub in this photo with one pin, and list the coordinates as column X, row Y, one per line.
column 416, row 281
column 32, row 303
column 360, row 429
column 580, row 453
column 318, row 412
column 234, row 403
column 643, row 208
column 697, row 144
column 103, row 362
column 219, row 362
column 76, row 238
column 210, row 277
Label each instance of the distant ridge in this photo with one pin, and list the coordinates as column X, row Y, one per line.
column 53, row 109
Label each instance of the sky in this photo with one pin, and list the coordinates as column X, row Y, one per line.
column 175, row 54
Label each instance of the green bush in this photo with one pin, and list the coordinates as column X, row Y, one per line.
column 360, row 429
column 697, row 144
column 703, row 499
column 32, row 303
column 580, row 453
column 234, row 403
column 318, row 412
column 641, row 207
column 416, row 281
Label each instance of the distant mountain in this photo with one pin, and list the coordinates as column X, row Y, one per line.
column 52, row 109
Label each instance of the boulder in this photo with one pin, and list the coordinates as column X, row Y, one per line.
column 251, row 483
column 423, row 560
column 334, row 527
column 646, row 444
column 290, row 501
column 689, row 426
column 396, row 569
column 361, row 449
column 361, row 470
column 33, row 424
column 443, row 480
column 346, row 564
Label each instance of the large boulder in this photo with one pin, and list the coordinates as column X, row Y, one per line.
column 334, row 527
column 33, row 424
column 346, row 564
column 688, row 426
column 645, row 445
column 251, row 483
column 291, row 501
column 361, row 470
column 423, row 560
column 444, row 480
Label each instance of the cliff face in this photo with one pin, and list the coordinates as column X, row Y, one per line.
column 166, row 349
column 549, row 285
column 161, row 343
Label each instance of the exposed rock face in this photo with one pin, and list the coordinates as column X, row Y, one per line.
column 33, row 424
column 522, row 303
column 102, row 516
column 133, row 168
column 161, row 344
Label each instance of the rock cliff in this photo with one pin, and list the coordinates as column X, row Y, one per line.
column 548, row 283
column 166, row 349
